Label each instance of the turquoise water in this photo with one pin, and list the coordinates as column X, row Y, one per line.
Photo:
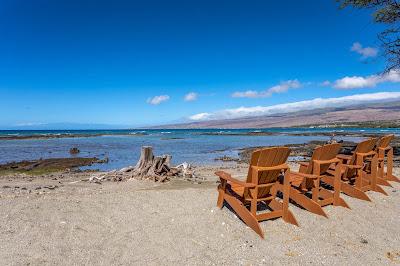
column 122, row 147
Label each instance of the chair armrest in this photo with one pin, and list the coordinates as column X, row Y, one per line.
column 283, row 166
column 352, row 166
column 334, row 160
column 228, row 177
column 366, row 153
column 369, row 159
column 304, row 163
column 304, row 175
column 385, row 149
column 343, row 157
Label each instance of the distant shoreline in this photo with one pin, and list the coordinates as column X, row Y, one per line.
column 308, row 131
column 59, row 136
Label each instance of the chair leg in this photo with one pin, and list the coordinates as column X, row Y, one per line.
column 389, row 174
column 383, row 182
column 379, row 189
column 354, row 192
column 289, row 218
column 348, row 189
column 287, row 214
column 337, row 200
column 221, row 193
column 394, row 178
column 381, row 169
column 315, row 190
column 246, row 216
column 373, row 177
column 306, row 202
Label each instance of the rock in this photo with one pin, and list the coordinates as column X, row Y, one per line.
column 50, row 187
column 74, row 150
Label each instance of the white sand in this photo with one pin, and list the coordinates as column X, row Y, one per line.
column 139, row 222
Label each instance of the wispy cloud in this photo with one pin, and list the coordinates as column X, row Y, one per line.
column 156, row 100
column 326, row 83
column 365, row 52
column 281, row 88
column 191, row 96
column 357, row 82
column 295, row 106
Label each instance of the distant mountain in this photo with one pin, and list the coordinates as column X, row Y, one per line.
column 372, row 114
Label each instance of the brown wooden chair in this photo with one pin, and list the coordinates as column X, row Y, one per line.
column 309, row 179
column 260, row 189
column 385, row 152
column 359, row 171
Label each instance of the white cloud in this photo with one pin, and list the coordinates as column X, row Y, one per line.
column 356, row 82
column 201, row 116
column 365, row 52
column 281, row 88
column 296, row 106
column 158, row 99
column 191, row 96
column 246, row 94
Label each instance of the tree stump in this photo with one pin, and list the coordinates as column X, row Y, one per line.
column 152, row 167
column 145, row 162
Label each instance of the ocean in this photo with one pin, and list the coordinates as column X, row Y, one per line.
column 122, row 147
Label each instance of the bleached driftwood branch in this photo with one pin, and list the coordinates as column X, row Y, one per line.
column 157, row 168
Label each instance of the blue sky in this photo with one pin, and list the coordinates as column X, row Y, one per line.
column 105, row 61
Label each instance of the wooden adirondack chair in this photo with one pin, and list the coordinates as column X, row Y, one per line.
column 356, row 177
column 385, row 151
column 260, row 189
column 310, row 176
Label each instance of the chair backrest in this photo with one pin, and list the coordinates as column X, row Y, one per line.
column 323, row 153
column 384, row 141
column 362, row 147
column 366, row 145
column 267, row 157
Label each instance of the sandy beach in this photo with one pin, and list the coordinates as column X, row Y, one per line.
column 60, row 220
column 115, row 117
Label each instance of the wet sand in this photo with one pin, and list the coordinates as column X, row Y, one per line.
column 60, row 219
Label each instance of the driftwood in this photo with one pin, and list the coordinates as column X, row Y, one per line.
column 152, row 167
column 157, row 168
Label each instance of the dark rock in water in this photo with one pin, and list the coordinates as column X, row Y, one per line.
column 74, row 150
column 105, row 160
column 47, row 166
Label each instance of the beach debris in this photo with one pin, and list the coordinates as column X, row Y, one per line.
column 393, row 256
column 156, row 168
column 51, row 187
column 226, row 158
column 74, row 150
